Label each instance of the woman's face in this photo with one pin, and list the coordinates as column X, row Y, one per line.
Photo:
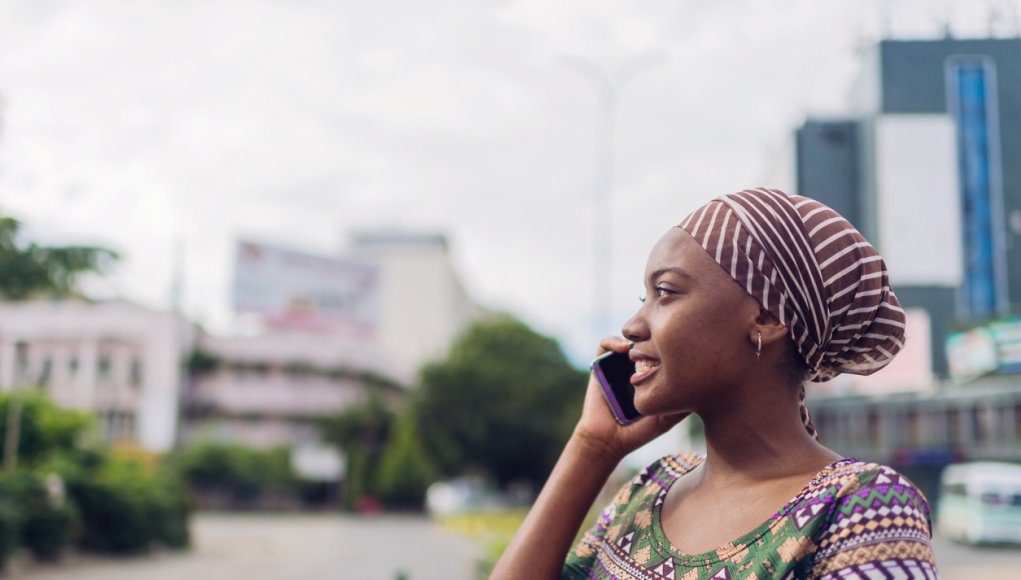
column 692, row 333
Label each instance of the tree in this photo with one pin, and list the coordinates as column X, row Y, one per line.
column 30, row 269
column 404, row 468
column 362, row 432
column 45, row 428
column 503, row 402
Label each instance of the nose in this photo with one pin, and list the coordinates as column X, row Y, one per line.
column 636, row 328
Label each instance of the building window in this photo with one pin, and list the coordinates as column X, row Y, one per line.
column 135, row 375
column 972, row 97
column 46, row 372
column 103, row 369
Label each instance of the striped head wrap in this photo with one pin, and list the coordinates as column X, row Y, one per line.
column 812, row 270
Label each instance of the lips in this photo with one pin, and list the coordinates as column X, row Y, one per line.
column 645, row 366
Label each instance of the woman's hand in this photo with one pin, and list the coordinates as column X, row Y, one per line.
column 599, row 432
column 594, row 450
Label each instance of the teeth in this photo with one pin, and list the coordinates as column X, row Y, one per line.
column 644, row 365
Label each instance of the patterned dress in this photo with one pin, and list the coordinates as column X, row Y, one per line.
column 853, row 520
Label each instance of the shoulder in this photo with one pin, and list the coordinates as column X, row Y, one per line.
column 859, row 482
column 656, row 477
column 665, row 470
column 877, row 518
column 872, row 496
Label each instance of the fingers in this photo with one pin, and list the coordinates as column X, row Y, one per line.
column 617, row 343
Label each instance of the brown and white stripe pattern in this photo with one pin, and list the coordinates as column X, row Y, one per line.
column 810, row 268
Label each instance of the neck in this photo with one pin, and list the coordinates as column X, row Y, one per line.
column 760, row 440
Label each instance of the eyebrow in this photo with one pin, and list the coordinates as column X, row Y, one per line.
column 655, row 275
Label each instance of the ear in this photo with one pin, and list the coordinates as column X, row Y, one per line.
column 768, row 326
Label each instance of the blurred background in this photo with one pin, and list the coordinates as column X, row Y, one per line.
column 308, row 289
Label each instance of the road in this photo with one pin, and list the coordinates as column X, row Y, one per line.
column 292, row 547
column 957, row 562
column 301, row 546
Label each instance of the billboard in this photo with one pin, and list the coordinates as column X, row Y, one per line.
column 918, row 198
column 308, row 292
column 992, row 347
column 971, row 354
column 1007, row 333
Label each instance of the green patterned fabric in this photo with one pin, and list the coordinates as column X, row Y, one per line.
column 853, row 520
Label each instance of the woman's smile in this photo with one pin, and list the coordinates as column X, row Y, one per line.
column 644, row 367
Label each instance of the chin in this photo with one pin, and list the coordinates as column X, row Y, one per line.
column 648, row 408
column 653, row 407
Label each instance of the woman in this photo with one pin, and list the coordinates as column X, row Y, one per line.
column 750, row 296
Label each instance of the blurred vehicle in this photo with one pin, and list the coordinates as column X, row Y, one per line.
column 462, row 495
column 981, row 502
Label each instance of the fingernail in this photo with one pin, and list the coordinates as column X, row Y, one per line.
column 631, row 344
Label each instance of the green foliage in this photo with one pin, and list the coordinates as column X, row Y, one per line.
column 493, row 530
column 504, row 402
column 44, row 528
column 127, row 505
column 201, row 362
column 241, row 473
column 362, row 432
column 45, row 429
column 9, row 528
column 169, row 509
column 120, row 502
column 404, row 470
column 27, row 269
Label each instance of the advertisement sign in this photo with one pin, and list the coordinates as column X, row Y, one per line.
column 971, row 354
column 1007, row 334
column 308, row 292
column 995, row 346
column 917, row 167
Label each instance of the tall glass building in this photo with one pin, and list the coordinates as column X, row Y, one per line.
column 928, row 166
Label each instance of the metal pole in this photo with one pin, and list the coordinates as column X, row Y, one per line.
column 608, row 87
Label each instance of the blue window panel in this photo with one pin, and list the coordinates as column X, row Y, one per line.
column 971, row 84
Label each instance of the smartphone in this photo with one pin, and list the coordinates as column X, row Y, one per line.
column 613, row 371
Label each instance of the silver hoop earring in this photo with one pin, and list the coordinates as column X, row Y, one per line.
column 758, row 349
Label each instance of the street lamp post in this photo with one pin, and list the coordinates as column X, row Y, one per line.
column 608, row 87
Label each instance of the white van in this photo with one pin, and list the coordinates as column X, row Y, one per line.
column 981, row 502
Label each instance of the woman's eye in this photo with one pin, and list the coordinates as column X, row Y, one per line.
column 659, row 292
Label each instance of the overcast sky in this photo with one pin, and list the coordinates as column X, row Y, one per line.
column 136, row 124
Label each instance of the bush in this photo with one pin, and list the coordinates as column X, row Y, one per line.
column 240, row 474
column 113, row 517
column 46, row 532
column 8, row 528
column 126, row 507
column 41, row 527
column 123, row 500
column 169, row 510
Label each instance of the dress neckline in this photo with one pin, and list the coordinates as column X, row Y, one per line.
column 737, row 544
